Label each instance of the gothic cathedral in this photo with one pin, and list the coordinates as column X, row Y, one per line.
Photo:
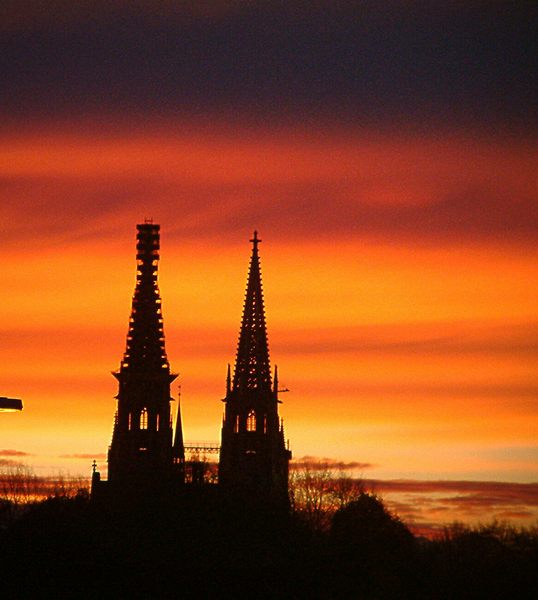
column 145, row 456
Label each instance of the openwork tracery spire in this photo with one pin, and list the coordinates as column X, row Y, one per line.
column 252, row 370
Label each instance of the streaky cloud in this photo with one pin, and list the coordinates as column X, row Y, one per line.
column 206, row 188
column 429, row 506
column 96, row 456
column 317, row 463
column 9, row 452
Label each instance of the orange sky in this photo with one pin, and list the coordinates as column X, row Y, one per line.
column 400, row 280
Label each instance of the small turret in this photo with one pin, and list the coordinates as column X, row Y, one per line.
column 178, row 449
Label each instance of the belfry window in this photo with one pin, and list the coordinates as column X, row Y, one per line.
column 251, row 421
column 144, row 418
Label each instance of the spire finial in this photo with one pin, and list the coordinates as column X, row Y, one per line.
column 255, row 240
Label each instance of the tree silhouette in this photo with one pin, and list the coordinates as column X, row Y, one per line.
column 373, row 551
column 206, row 544
column 318, row 489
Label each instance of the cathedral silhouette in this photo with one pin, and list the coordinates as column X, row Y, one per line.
column 146, row 457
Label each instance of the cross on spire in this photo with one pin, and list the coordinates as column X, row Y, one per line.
column 255, row 240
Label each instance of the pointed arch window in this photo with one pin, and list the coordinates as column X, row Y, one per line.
column 236, row 424
column 264, row 423
column 144, row 418
column 251, row 421
column 158, row 421
column 130, row 422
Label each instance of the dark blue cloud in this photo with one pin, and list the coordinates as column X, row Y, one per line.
column 368, row 62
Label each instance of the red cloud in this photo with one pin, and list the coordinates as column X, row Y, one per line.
column 427, row 506
column 449, row 197
column 9, row 452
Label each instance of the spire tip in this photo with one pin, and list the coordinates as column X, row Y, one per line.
column 255, row 239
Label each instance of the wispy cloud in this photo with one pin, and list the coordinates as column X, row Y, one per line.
column 315, row 462
column 440, row 339
column 10, row 452
column 96, row 456
column 429, row 505
column 63, row 187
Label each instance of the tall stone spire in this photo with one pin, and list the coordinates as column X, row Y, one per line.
column 253, row 457
column 145, row 351
column 141, row 454
column 252, row 370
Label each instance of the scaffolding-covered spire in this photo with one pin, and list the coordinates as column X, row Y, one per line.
column 145, row 351
column 142, row 456
column 252, row 370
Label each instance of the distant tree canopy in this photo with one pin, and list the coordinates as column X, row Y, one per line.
column 318, row 489
column 372, row 551
column 365, row 525
column 20, row 485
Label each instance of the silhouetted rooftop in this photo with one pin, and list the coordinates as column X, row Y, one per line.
column 10, row 404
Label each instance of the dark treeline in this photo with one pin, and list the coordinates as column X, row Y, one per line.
column 206, row 545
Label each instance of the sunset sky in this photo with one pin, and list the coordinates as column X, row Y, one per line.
column 385, row 152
